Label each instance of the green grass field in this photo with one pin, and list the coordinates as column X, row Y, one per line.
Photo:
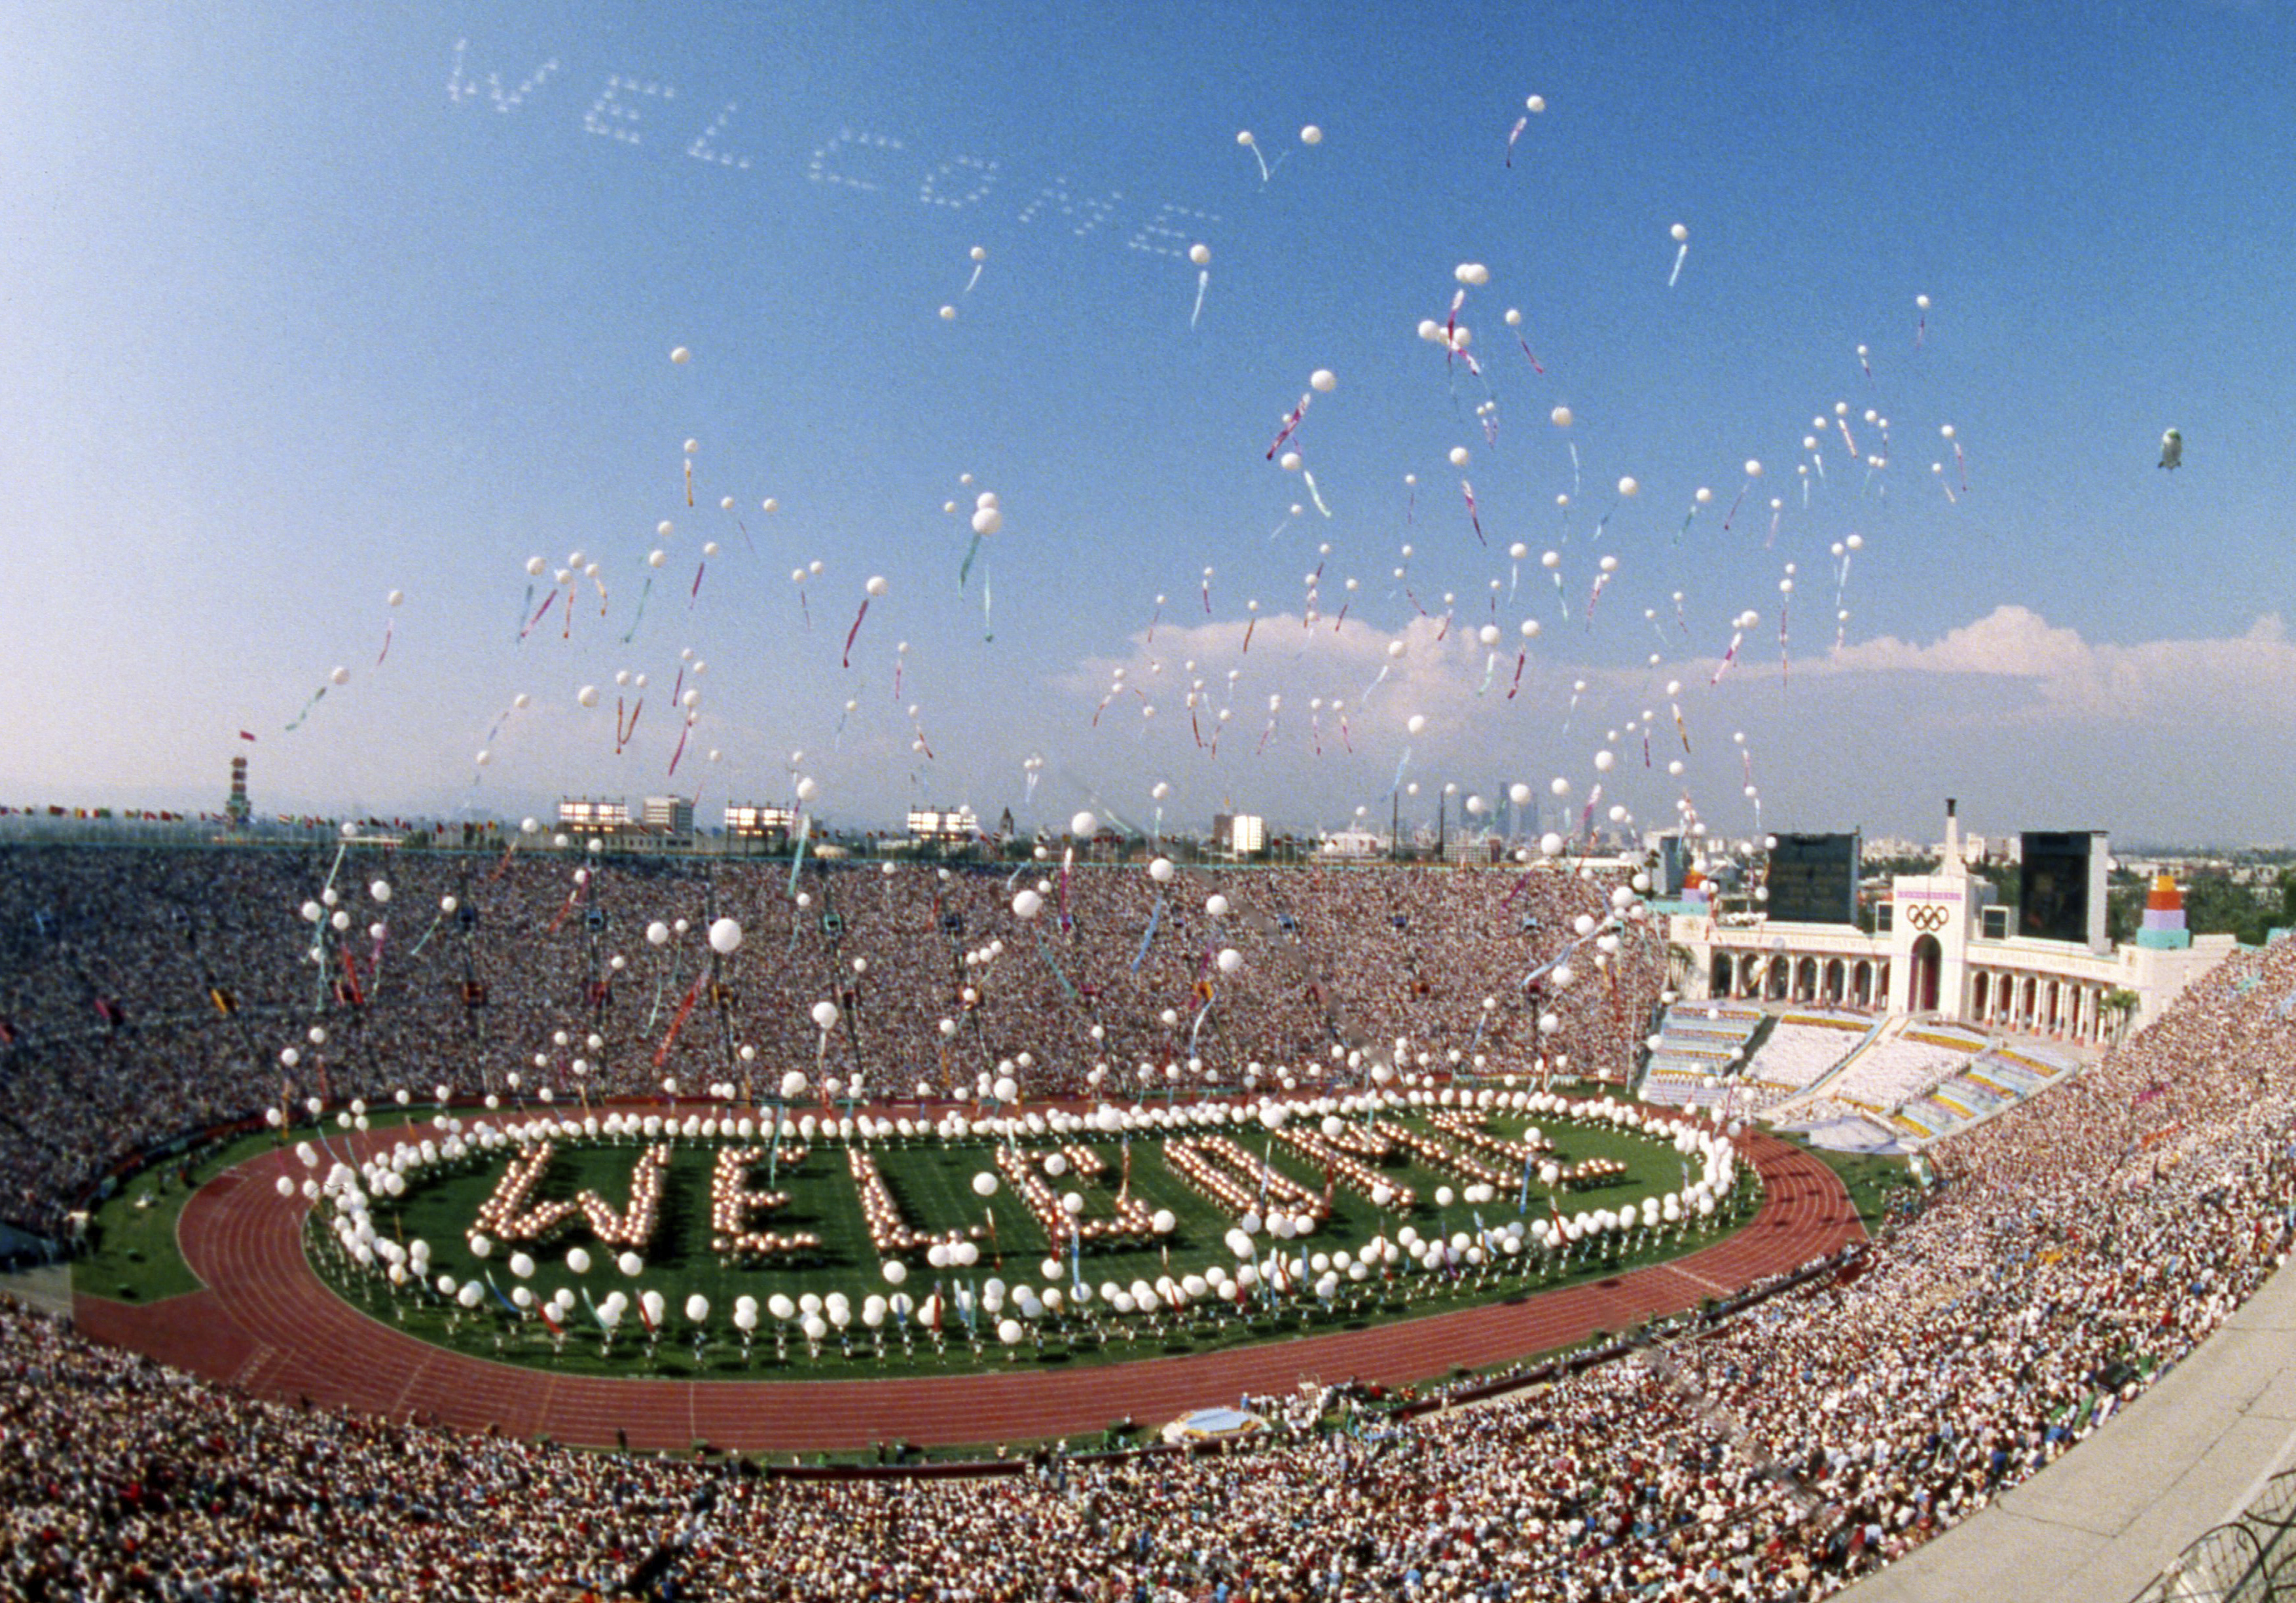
column 933, row 1184
column 135, row 1258
column 1872, row 1182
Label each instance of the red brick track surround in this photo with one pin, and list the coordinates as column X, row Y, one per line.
column 266, row 1323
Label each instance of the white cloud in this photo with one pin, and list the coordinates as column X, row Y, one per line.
column 2040, row 672
column 2007, row 706
column 2065, row 677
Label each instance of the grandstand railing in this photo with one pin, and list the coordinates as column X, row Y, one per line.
column 2251, row 1559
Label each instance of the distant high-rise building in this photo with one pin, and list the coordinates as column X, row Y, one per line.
column 1241, row 833
column 1514, row 819
column 669, row 815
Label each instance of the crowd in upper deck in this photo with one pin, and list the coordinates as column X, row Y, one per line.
column 144, row 991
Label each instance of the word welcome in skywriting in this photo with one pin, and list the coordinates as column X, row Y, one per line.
column 631, row 110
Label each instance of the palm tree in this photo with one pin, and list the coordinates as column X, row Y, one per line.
column 2120, row 1006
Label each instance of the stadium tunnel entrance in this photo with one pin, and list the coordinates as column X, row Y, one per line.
column 1928, row 959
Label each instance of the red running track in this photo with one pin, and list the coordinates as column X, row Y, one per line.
column 267, row 1324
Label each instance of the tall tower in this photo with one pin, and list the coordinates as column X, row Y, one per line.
column 236, row 807
column 2164, row 917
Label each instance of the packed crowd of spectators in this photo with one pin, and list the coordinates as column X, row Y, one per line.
column 144, row 990
column 2076, row 1246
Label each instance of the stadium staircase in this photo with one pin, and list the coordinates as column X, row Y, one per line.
column 1695, row 1040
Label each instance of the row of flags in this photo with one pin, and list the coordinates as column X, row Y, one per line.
column 140, row 815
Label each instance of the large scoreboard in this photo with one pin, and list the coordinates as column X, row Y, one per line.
column 1813, row 879
column 2060, row 880
column 1672, row 860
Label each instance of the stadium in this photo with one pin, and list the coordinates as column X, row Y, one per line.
column 1143, row 805
column 1684, row 1399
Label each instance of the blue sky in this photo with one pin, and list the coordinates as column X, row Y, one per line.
column 309, row 305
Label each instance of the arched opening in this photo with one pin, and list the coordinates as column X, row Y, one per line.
column 1719, row 971
column 1928, row 959
column 1980, row 995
